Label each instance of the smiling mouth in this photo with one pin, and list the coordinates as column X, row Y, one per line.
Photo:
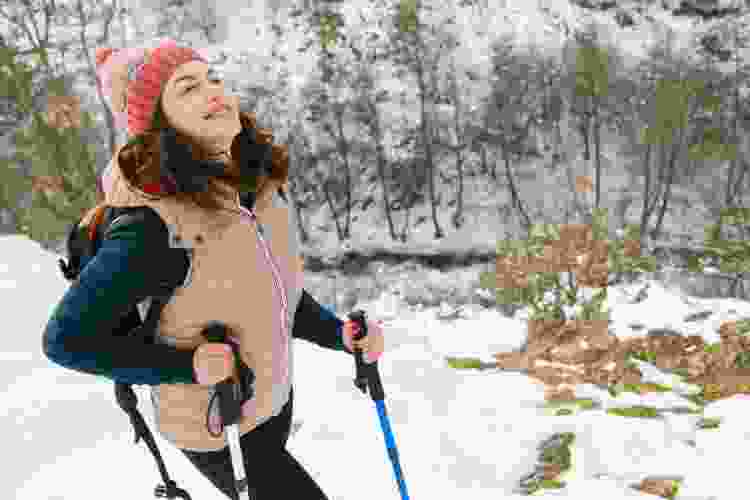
column 209, row 116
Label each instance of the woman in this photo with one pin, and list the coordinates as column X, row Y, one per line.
column 189, row 158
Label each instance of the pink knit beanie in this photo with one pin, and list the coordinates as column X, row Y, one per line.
column 133, row 79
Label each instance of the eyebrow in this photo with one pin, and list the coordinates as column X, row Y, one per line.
column 188, row 77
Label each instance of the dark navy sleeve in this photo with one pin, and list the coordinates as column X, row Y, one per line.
column 317, row 324
column 80, row 334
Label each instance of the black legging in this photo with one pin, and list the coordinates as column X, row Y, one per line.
column 271, row 471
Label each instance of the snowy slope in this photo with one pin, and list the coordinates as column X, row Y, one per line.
column 460, row 434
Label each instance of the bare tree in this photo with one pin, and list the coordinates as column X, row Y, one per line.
column 365, row 111
column 511, row 108
column 44, row 27
column 459, row 145
column 416, row 47
column 593, row 89
column 86, row 12
column 299, row 159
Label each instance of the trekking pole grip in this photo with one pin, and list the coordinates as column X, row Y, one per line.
column 230, row 406
column 360, row 380
column 367, row 374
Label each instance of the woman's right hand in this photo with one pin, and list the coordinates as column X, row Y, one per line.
column 213, row 362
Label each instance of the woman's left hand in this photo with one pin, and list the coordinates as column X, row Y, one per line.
column 372, row 345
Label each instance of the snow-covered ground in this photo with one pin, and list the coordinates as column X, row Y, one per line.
column 460, row 434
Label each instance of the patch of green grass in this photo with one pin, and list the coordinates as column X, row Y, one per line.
column 681, row 372
column 709, row 423
column 742, row 360
column 567, row 438
column 635, row 411
column 645, row 356
column 464, row 363
column 675, row 489
column 551, row 483
column 559, row 408
column 616, row 389
column 694, row 411
column 629, row 363
column 631, row 388
column 712, row 348
column 696, row 398
column 558, row 456
column 743, row 326
column 661, row 388
column 586, row 404
column 635, row 388
column 545, row 484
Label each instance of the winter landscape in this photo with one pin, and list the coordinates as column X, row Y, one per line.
column 461, row 433
column 481, row 408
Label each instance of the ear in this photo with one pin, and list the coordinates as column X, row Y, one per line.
column 102, row 54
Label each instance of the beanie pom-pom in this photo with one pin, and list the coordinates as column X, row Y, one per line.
column 167, row 43
column 112, row 64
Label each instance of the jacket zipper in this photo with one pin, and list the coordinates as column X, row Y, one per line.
column 275, row 273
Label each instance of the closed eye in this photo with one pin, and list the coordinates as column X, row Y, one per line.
column 214, row 80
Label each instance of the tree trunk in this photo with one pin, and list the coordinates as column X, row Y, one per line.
column 578, row 207
column 459, row 143
column 556, row 154
column 344, row 152
column 646, row 212
column 380, row 152
column 329, row 201
column 484, row 169
column 598, row 162
column 427, row 145
column 304, row 236
column 108, row 118
column 668, row 186
column 484, row 149
column 407, row 206
column 516, row 200
column 458, row 217
column 733, row 185
column 493, row 168
column 584, row 129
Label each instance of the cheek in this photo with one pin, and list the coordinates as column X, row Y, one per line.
column 188, row 121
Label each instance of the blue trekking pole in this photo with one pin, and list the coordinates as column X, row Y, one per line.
column 368, row 374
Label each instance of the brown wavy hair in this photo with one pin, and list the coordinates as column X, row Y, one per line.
column 139, row 163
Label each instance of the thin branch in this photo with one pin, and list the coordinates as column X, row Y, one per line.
column 48, row 14
column 108, row 20
column 27, row 4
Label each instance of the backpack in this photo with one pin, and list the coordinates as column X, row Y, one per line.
column 83, row 243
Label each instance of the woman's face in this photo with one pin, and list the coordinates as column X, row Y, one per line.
column 196, row 106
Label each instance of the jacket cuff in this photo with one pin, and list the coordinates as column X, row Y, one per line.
column 317, row 324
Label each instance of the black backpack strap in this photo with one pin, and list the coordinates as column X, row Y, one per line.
column 128, row 401
column 75, row 247
column 124, row 393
